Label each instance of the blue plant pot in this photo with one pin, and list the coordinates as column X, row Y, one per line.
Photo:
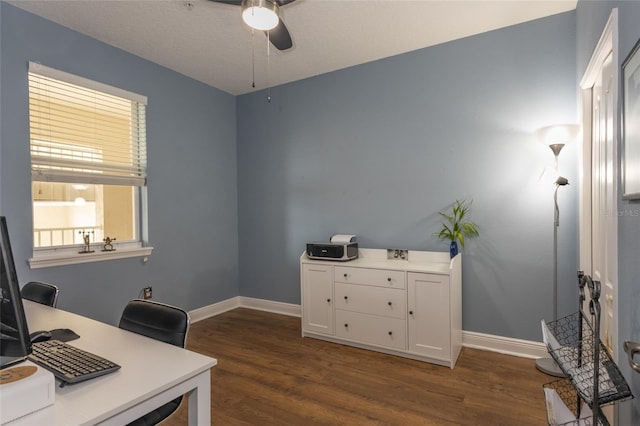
column 453, row 249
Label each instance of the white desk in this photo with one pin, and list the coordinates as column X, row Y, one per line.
column 151, row 374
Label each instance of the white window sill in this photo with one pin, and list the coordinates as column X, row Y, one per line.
column 53, row 258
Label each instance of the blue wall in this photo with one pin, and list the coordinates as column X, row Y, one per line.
column 192, row 188
column 378, row 149
column 591, row 19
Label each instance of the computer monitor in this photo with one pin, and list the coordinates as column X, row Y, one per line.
column 15, row 343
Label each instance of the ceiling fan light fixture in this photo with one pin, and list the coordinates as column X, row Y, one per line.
column 260, row 14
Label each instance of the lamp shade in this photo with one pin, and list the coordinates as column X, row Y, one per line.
column 557, row 136
column 260, row 14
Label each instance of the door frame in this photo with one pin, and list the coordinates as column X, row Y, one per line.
column 608, row 44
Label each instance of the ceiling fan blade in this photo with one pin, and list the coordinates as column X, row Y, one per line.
column 280, row 37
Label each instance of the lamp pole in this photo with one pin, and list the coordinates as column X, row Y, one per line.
column 555, row 137
column 556, row 223
column 548, row 365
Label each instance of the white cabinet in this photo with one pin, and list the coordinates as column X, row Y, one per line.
column 407, row 308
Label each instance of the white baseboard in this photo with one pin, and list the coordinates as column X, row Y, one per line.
column 215, row 309
column 270, row 306
column 244, row 302
column 470, row 339
column 504, row 345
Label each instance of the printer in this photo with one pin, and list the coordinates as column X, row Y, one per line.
column 340, row 248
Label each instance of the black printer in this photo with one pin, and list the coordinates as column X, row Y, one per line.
column 340, row 248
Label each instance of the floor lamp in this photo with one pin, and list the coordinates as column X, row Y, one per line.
column 555, row 137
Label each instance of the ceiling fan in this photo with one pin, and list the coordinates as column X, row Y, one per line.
column 265, row 15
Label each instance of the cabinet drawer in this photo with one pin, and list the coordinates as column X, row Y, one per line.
column 366, row 276
column 370, row 329
column 388, row 302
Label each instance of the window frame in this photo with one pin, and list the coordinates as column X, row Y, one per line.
column 69, row 254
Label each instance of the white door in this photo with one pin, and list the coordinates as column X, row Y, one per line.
column 598, row 195
column 604, row 250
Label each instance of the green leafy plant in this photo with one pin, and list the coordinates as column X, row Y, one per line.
column 456, row 225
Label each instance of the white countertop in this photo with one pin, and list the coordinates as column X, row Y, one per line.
column 418, row 261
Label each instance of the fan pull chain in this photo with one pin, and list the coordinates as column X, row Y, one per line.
column 268, row 68
column 253, row 60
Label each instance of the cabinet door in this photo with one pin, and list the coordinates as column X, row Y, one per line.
column 317, row 298
column 428, row 318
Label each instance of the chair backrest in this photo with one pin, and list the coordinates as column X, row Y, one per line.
column 162, row 322
column 159, row 321
column 46, row 294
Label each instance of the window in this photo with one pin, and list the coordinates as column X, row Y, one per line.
column 88, row 165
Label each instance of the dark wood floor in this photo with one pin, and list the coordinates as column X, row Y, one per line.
column 268, row 375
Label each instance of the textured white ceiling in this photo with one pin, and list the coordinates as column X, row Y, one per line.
column 209, row 42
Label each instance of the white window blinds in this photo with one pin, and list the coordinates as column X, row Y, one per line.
column 84, row 131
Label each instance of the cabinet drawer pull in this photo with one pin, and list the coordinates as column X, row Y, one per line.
column 346, row 325
column 410, row 312
column 389, row 279
column 346, row 297
column 345, row 275
column 328, row 300
column 389, row 303
column 391, row 333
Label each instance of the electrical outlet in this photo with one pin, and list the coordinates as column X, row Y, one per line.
column 147, row 292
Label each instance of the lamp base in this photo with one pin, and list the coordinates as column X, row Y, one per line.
column 549, row 366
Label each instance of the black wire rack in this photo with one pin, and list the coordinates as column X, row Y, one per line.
column 569, row 396
column 592, row 377
column 576, row 356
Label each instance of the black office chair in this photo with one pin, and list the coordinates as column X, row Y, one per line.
column 46, row 294
column 162, row 322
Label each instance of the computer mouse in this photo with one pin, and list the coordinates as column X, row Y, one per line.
column 40, row 336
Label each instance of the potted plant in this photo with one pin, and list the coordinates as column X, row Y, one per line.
column 456, row 226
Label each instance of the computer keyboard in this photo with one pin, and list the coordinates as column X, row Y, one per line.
column 68, row 363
